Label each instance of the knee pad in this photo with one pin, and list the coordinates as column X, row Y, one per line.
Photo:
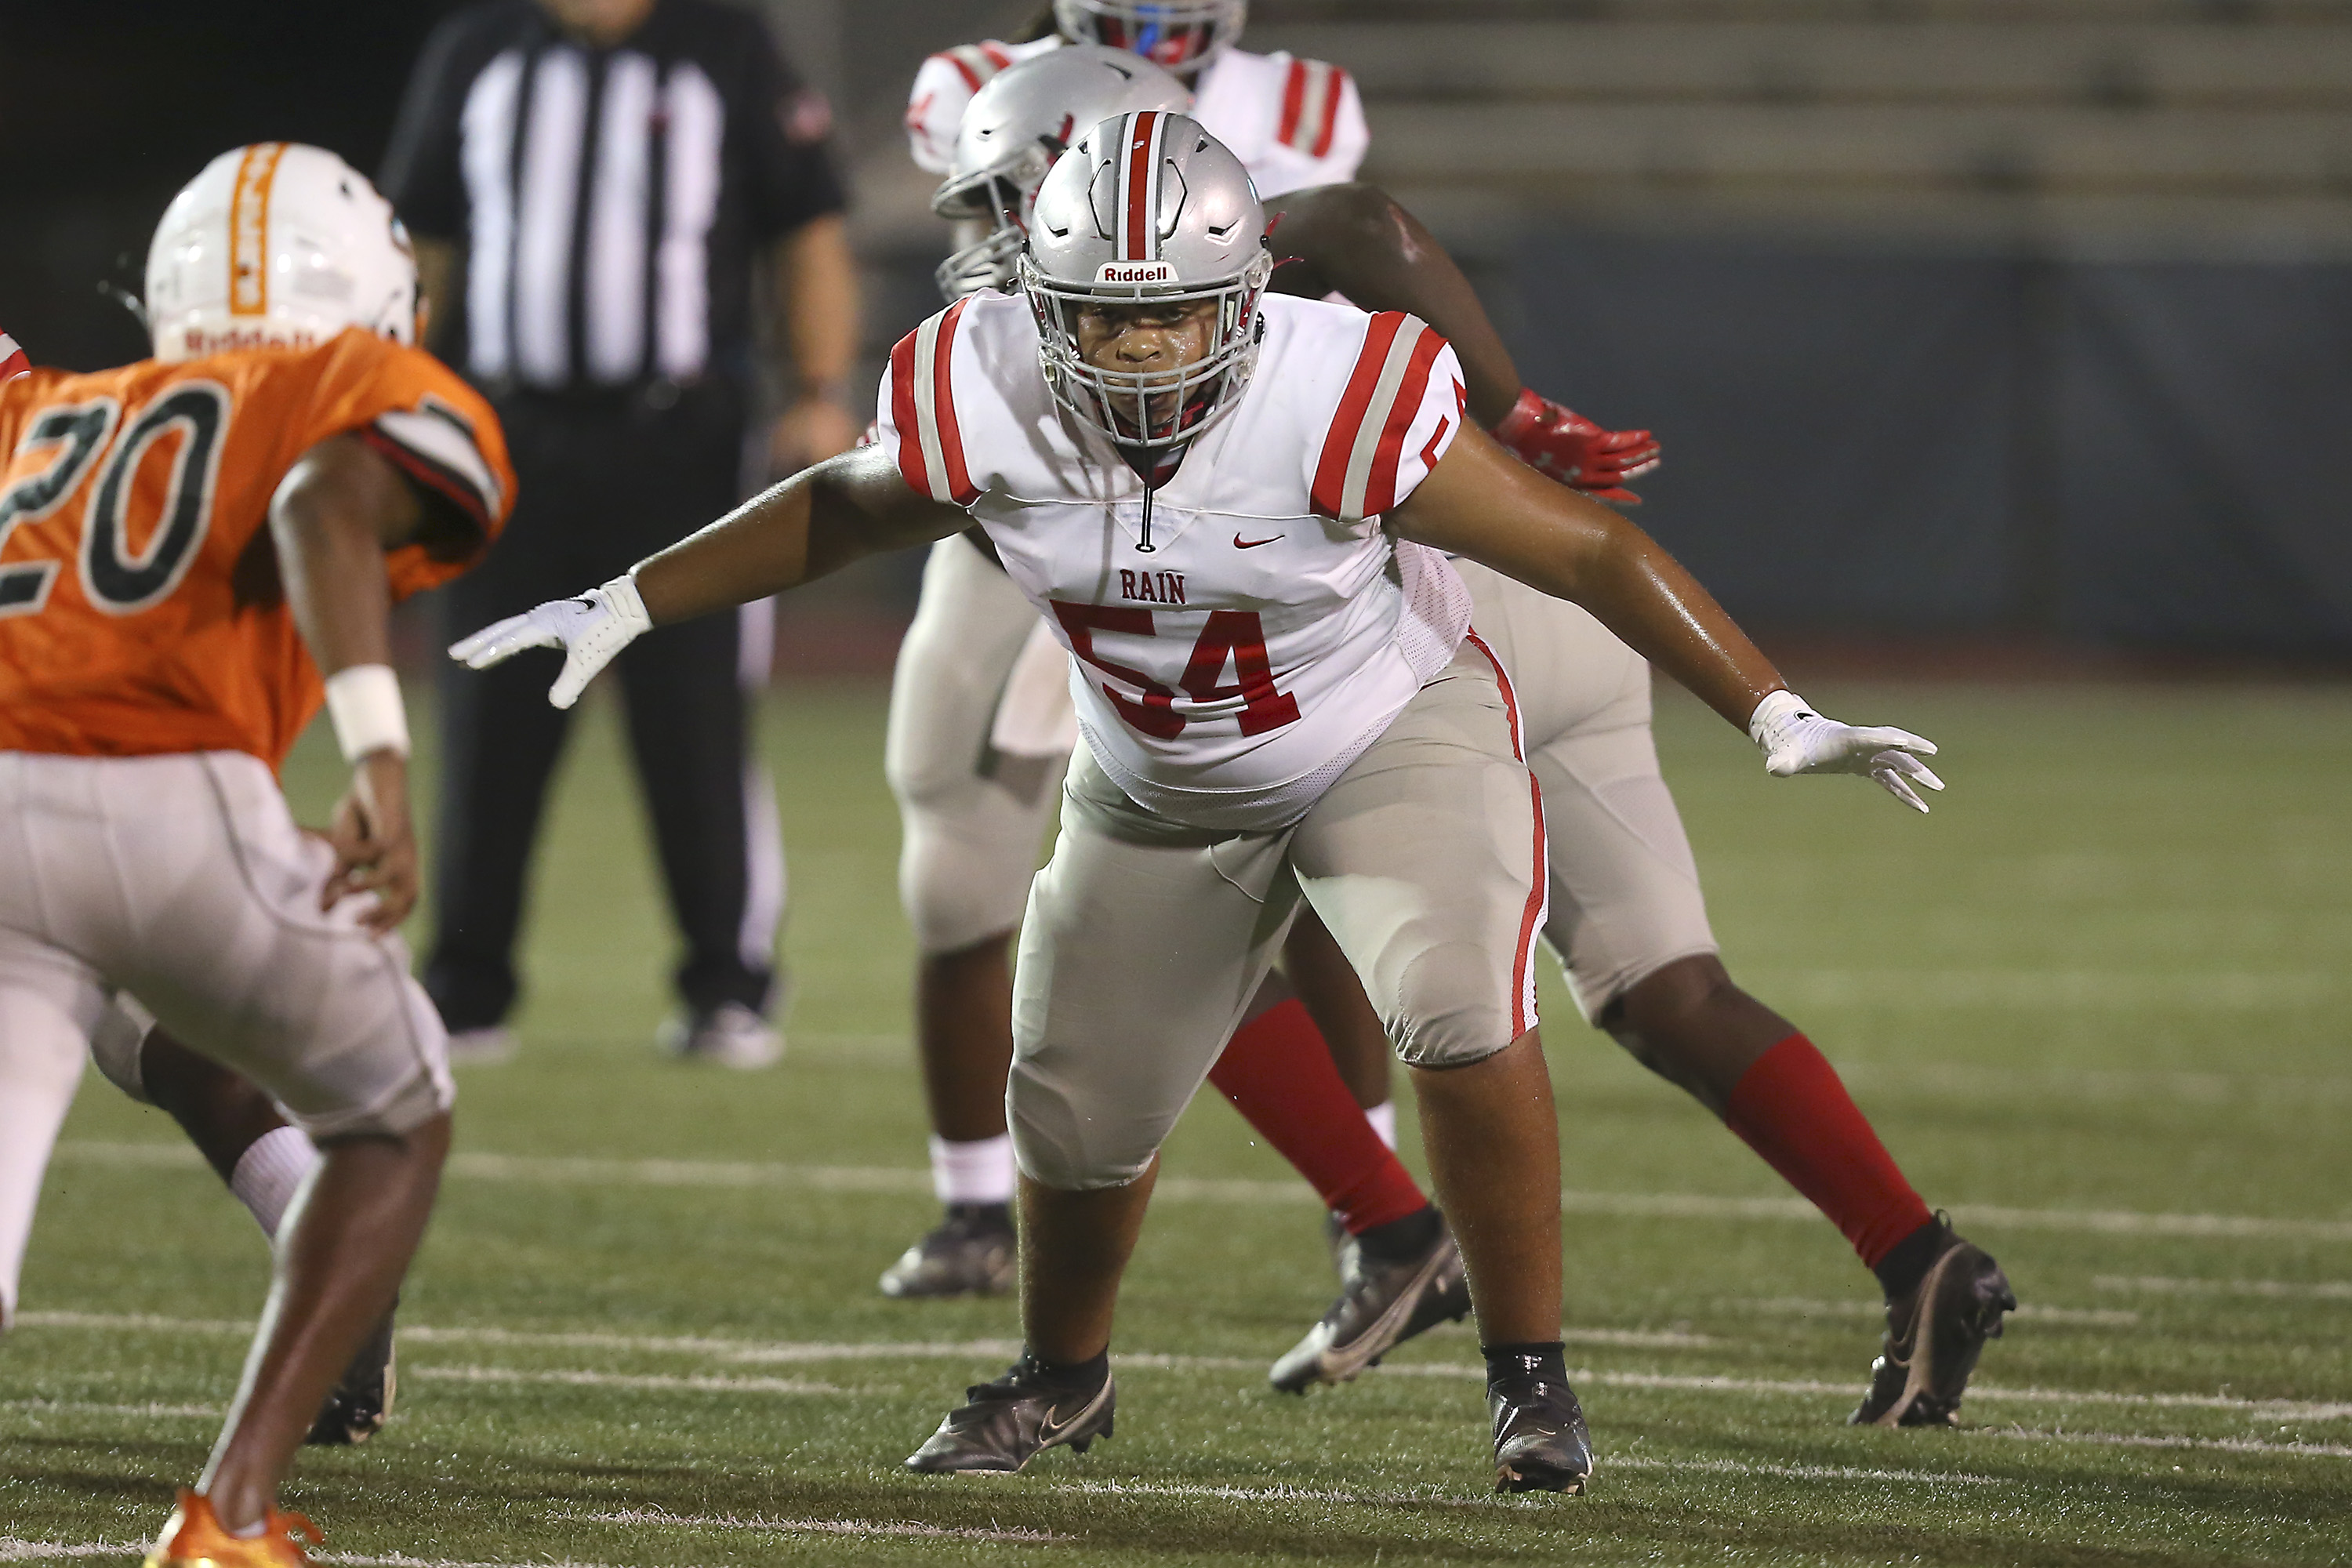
column 965, row 863
column 1064, row 1138
column 115, row 1043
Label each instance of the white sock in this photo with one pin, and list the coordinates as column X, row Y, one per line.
column 268, row 1173
column 980, row 1172
column 1384, row 1119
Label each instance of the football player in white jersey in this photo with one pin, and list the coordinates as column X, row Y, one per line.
column 1628, row 919
column 1194, row 478
column 1293, row 122
column 980, row 727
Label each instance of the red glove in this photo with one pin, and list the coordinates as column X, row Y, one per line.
column 1569, row 447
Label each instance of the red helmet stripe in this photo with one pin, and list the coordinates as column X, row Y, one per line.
column 1139, row 232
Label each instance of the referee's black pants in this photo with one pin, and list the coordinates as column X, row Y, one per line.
column 605, row 482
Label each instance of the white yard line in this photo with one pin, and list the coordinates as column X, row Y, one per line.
column 752, row 1350
column 592, row 1171
column 580, row 1379
column 2034, row 1312
column 2289, row 1290
column 899, row 1527
column 2219, row 991
column 13, row 1549
column 82, row 1407
column 2138, row 1440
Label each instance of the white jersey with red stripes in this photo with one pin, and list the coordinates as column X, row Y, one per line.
column 1292, row 122
column 1242, row 638
column 13, row 359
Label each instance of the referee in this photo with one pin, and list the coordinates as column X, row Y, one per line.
column 597, row 187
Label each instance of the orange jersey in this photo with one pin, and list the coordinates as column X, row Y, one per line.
column 140, row 610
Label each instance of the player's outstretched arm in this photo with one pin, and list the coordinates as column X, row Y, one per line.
column 339, row 509
column 815, row 522
column 1480, row 504
column 1355, row 239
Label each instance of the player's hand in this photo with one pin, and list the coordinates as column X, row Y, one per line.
column 1563, row 444
column 374, row 842
column 1796, row 740
column 812, row 429
column 590, row 631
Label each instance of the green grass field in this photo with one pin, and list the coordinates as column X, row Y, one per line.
column 2097, row 1004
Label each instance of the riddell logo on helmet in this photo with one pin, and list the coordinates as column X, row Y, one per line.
column 1135, row 272
column 231, row 339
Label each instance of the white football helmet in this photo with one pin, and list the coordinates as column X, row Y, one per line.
column 1147, row 208
column 1184, row 36
column 276, row 244
column 1011, row 135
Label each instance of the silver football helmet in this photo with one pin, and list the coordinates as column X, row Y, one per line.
column 1014, row 129
column 1148, row 208
column 1184, row 36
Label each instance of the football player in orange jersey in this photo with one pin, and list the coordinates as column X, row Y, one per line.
column 195, row 553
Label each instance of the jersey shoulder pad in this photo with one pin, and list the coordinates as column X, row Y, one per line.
column 438, row 431
column 1397, row 413
column 917, row 420
column 1312, row 94
column 943, row 89
column 14, row 360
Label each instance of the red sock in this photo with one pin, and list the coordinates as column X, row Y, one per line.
column 1277, row 1072
column 1791, row 1107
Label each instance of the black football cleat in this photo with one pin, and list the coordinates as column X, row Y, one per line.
column 1010, row 1422
column 362, row 1400
column 1382, row 1303
column 1541, row 1442
column 972, row 1252
column 1934, row 1336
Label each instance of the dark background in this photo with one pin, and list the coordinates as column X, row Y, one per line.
column 1910, row 442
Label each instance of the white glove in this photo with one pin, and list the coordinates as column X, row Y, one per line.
column 590, row 631
column 1796, row 740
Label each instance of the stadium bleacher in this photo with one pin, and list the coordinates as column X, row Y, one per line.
column 2201, row 124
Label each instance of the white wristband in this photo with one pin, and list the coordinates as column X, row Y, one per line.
column 1772, row 713
column 364, row 703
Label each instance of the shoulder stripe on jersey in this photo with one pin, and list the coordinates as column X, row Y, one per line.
column 1294, row 102
column 1141, row 137
column 1355, row 477
column 14, row 361
column 1333, row 88
column 975, row 62
column 922, row 405
column 1404, row 405
column 995, row 53
column 441, row 440
column 1311, row 106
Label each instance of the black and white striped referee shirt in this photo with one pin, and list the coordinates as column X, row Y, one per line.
column 611, row 203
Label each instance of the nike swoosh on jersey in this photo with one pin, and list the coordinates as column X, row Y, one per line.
column 1240, row 544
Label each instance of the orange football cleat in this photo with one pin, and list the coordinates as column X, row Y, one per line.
column 194, row 1538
